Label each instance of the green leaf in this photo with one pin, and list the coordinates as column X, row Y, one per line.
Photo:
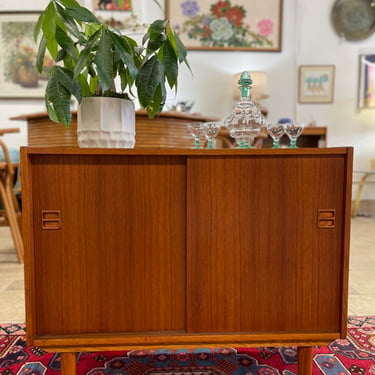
column 49, row 22
column 70, row 3
column 93, row 83
column 66, row 43
column 170, row 63
column 157, row 103
column 68, row 24
column 41, row 53
column 52, row 47
column 81, row 14
column 59, row 91
column 51, row 111
column 156, row 28
column 86, row 90
column 61, row 56
column 104, row 61
column 58, row 102
column 182, row 53
column 149, row 77
column 85, row 54
column 125, row 51
column 38, row 27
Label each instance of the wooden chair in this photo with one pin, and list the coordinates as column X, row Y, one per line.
column 361, row 186
column 11, row 212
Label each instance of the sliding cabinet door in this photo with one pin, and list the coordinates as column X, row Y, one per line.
column 109, row 243
column 265, row 243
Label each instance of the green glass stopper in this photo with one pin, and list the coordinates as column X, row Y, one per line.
column 245, row 83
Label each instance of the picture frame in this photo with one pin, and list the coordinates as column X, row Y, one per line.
column 366, row 81
column 22, row 6
column 18, row 74
column 227, row 25
column 316, row 84
column 117, row 5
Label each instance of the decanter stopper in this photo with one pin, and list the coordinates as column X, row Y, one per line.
column 245, row 83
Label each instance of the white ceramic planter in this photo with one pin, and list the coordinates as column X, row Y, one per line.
column 106, row 123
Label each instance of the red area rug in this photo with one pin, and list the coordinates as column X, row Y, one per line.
column 353, row 356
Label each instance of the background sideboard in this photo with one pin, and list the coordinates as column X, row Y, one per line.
column 166, row 130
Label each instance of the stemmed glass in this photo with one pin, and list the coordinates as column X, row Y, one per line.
column 210, row 131
column 293, row 131
column 276, row 131
column 196, row 130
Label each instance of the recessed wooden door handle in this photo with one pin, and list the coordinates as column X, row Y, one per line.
column 51, row 219
column 326, row 218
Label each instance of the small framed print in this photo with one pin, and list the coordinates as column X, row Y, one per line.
column 124, row 5
column 316, row 84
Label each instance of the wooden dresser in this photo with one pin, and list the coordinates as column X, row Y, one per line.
column 185, row 248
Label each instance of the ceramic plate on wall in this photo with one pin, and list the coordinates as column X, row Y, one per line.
column 354, row 19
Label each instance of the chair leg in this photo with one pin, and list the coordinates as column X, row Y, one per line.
column 359, row 194
column 13, row 222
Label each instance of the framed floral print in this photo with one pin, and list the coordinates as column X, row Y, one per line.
column 19, row 77
column 227, row 24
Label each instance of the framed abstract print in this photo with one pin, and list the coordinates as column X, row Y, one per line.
column 366, row 78
column 124, row 5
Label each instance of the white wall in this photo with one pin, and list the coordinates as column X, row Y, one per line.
column 307, row 38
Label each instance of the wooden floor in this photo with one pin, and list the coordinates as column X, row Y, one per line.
column 361, row 277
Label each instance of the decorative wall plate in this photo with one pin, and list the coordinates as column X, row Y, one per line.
column 354, row 19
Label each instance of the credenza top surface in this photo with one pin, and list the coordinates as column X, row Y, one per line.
column 188, row 152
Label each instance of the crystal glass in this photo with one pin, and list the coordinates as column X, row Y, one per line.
column 210, row 131
column 196, row 130
column 276, row 131
column 293, row 131
column 246, row 120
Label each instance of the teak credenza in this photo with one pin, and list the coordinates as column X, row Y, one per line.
column 185, row 248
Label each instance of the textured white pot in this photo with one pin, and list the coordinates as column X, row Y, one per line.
column 106, row 122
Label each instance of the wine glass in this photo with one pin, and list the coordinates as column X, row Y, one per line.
column 196, row 130
column 210, row 131
column 276, row 131
column 293, row 131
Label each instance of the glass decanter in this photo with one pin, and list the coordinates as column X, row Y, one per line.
column 246, row 120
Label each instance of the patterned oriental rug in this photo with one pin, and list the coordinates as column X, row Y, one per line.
column 352, row 356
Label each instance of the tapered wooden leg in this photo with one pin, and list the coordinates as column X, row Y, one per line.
column 68, row 363
column 13, row 223
column 304, row 360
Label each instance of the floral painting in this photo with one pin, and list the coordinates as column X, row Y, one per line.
column 124, row 5
column 227, row 24
column 18, row 73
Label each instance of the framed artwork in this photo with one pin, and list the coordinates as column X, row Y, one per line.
column 227, row 24
column 366, row 81
column 124, row 5
column 19, row 77
column 22, row 6
column 316, row 84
